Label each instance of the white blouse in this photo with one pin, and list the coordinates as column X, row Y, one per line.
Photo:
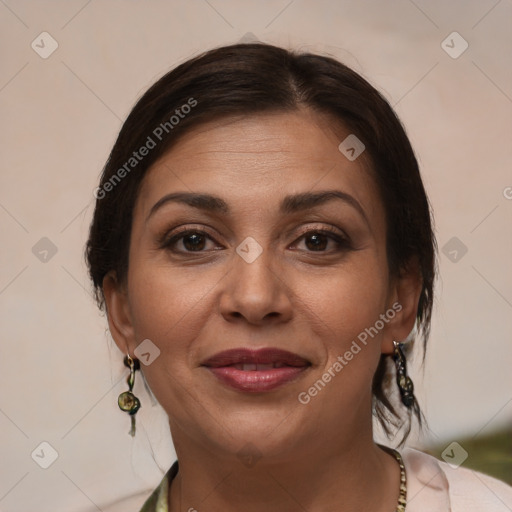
column 433, row 485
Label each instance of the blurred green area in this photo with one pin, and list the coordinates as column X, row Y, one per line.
column 491, row 454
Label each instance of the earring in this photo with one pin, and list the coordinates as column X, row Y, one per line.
column 127, row 401
column 404, row 382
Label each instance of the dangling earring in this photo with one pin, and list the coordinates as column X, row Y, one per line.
column 404, row 382
column 127, row 401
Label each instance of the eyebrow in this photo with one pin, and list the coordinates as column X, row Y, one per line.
column 290, row 204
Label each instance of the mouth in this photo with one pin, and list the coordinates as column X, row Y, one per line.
column 256, row 371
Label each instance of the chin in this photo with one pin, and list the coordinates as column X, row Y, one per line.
column 270, row 434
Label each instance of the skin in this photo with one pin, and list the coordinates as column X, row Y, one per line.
column 192, row 305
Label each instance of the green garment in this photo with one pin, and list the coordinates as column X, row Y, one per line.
column 157, row 502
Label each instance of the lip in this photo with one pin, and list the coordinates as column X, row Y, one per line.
column 256, row 371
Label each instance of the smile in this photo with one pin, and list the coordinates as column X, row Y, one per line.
column 256, row 371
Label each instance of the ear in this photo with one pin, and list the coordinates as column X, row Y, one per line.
column 119, row 313
column 404, row 296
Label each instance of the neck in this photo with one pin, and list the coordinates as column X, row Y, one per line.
column 348, row 476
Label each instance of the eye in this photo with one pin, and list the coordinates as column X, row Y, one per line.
column 190, row 240
column 324, row 240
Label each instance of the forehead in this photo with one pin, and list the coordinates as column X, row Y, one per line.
column 260, row 158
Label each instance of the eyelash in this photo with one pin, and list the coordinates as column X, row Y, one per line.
column 342, row 242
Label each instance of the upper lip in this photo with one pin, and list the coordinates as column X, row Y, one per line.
column 252, row 356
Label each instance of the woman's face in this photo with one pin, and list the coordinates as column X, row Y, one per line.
column 287, row 252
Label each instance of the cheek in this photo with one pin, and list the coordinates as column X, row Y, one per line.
column 174, row 308
column 349, row 299
column 167, row 308
column 166, row 305
column 345, row 308
column 348, row 307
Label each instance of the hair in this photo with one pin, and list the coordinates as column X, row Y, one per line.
column 248, row 79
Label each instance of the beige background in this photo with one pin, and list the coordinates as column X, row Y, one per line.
column 60, row 372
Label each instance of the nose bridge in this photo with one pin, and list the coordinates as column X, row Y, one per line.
column 255, row 289
column 253, row 271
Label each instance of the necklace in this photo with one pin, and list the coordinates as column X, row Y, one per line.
column 402, row 498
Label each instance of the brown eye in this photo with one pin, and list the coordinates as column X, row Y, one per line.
column 324, row 241
column 318, row 242
column 187, row 241
column 193, row 242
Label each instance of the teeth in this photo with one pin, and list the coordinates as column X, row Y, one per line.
column 252, row 367
column 264, row 366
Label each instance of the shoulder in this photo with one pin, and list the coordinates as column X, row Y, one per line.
column 433, row 482
column 469, row 488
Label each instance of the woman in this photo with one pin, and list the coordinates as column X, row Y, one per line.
column 262, row 243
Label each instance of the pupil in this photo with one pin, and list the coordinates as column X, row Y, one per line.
column 318, row 242
column 197, row 242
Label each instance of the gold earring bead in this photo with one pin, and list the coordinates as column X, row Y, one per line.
column 127, row 401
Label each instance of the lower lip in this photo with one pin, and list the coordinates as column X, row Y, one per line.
column 256, row 381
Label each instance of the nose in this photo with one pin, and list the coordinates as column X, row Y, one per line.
column 256, row 292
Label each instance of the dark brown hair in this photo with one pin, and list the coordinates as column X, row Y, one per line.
column 245, row 79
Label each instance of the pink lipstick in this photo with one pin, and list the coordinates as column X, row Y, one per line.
column 256, row 371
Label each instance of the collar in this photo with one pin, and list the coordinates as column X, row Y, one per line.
column 427, row 485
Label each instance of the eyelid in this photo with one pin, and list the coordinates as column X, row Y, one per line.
column 322, row 228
